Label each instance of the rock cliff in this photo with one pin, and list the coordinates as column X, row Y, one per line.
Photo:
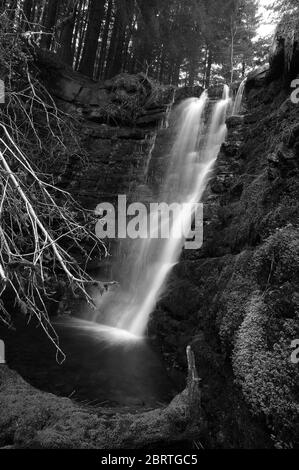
column 117, row 124
column 236, row 299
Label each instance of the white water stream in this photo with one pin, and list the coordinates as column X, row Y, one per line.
column 239, row 98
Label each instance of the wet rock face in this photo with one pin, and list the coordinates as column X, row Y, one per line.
column 228, row 165
column 118, row 122
column 116, row 162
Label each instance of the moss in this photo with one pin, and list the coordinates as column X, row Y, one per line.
column 258, row 319
column 277, row 260
column 231, row 302
column 267, row 377
column 33, row 419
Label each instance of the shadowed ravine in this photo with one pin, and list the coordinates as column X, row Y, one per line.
column 114, row 365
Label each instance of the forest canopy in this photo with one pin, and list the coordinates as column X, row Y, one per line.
column 176, row 42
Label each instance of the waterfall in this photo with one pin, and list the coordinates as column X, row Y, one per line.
column 238, row 101
column 192, row 158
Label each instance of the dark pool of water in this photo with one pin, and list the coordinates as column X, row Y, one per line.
column 104, row 366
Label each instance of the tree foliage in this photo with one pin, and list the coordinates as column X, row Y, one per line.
column 190, row 41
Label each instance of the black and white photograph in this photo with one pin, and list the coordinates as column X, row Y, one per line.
column 149, row 237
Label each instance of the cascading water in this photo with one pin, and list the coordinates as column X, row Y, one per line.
column 239, row 98
column 192, row 159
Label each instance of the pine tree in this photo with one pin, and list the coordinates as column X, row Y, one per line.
column 66, row 27
column 49, row 21
column 96, row 12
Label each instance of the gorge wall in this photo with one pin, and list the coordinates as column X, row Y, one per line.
column 235, row 300
column 118, row 123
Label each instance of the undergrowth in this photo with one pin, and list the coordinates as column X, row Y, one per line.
column 40, row 225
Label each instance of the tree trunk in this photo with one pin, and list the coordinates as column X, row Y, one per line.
column 103, row 53
column 133, row 65
column 117, row 49
column 148, row 31
column 79, row 35
column 170, row 74
column 49, row 21
column 95, row 17
column 126, row 47
column 209, row 68
column 113, row 45
column 65, row 51
column 243, row 69
column 162, row 65
column 232, row 50
column 191, row 77
column 205, row 68
column 27, row 10
column 177, row 71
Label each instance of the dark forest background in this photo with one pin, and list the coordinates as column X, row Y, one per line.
column 183, row 42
